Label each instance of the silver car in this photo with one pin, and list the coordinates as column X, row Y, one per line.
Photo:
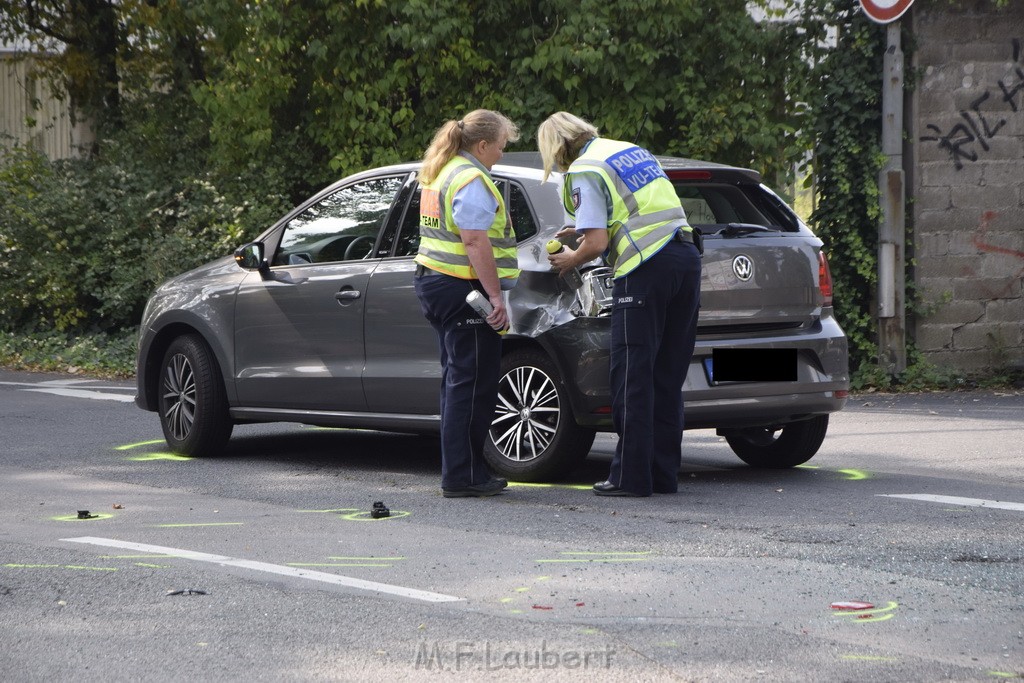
column 316, row 322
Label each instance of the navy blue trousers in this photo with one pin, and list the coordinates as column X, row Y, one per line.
column 654, row 328
column 470, row 370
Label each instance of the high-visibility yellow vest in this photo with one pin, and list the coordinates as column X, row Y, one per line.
column 441, row 247
column 646, row 212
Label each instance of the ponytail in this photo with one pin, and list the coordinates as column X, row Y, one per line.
column 455, row 136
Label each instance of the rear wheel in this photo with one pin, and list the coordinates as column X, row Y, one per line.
column 192, row 404
column 780, row 447
column 534, row 436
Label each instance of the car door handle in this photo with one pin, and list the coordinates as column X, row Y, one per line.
column 348, row 294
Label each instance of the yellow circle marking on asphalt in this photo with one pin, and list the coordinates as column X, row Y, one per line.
column 365, row 516
column 76, row 518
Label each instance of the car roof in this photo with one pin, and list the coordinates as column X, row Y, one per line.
column 533, row 160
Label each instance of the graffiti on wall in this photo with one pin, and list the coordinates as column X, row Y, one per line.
column 964, row 139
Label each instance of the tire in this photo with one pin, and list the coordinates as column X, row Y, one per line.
column 534, row 436
column 782, row 447
column 192, row 405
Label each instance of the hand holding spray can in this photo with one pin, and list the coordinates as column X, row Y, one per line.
column 572, row 277
column 479, row 303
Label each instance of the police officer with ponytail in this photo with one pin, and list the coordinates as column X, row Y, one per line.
column 466, row 244
column 626, row 209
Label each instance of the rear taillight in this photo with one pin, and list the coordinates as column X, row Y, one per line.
column 824, row 279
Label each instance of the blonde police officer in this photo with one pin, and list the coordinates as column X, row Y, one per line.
column 625, row 208
column 466, row 244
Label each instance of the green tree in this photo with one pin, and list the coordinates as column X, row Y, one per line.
column 844, row 93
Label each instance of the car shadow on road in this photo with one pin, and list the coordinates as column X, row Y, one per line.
column 357, row 450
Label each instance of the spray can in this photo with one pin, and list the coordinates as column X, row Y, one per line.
column 572, row 277
column 479, row 303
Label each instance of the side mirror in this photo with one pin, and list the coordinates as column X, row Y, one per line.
column 250, row 257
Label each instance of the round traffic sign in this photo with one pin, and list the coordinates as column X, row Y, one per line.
column 884, row 11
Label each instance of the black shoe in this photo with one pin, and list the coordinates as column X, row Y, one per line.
column 488, row 488
column 606, row 488
column 498, row 481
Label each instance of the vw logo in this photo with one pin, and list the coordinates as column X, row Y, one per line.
column 743, row 267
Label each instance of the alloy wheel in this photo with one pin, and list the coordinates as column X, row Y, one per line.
column 527, row 414
column 179, row 396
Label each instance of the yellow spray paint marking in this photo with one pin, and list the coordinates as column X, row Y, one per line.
column 591, row 631
column 198, row 524
column 58, row 566
column 851, row 474
column 870, row 658
column 152, row 566
column 134, row 557
column 128, row 447
column 1005, row 674
column 505, row 600
column 867, row 616
column 524, row 484
column 146, row 457
column 584, row 556
column 359, row 515
column 76, row 518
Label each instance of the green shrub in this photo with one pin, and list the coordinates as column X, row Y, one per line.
column 85, row 241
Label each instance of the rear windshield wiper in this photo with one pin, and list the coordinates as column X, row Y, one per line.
column 740, row 229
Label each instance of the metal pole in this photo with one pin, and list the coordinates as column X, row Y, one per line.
column 892, row 343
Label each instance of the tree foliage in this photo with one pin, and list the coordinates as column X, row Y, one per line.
column 216, row 115
column 847, row 125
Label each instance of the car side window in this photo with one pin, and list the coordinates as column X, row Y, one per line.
column 409, row 232
column 523, row 222
column 343, row 226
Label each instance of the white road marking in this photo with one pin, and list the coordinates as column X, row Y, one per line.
column 85, row 393
column 954, row 500
column 62, row 387
column 226, row 561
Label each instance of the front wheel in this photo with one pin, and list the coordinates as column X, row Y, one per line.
column 193, row 408
column 534, row 436
column 780, row 447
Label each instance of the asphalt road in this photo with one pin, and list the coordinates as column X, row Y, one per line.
column 265, row 564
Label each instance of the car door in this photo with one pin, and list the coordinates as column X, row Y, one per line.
column 403, row 371
column 299, row 328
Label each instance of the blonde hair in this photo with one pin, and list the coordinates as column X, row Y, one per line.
column 456, row 136
column 560, row 139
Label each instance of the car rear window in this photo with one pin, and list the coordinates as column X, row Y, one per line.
column 711, row 206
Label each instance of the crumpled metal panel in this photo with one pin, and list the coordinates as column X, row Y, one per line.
column 542, row 300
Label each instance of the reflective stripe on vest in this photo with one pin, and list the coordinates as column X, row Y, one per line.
column 441, row 247
column 646, row 212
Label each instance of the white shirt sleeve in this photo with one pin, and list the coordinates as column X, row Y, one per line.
column 591, row 201
column 474, row 206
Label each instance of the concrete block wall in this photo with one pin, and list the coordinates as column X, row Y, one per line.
column 965, row 135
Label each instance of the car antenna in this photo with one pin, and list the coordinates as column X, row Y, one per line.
column 641, row 128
